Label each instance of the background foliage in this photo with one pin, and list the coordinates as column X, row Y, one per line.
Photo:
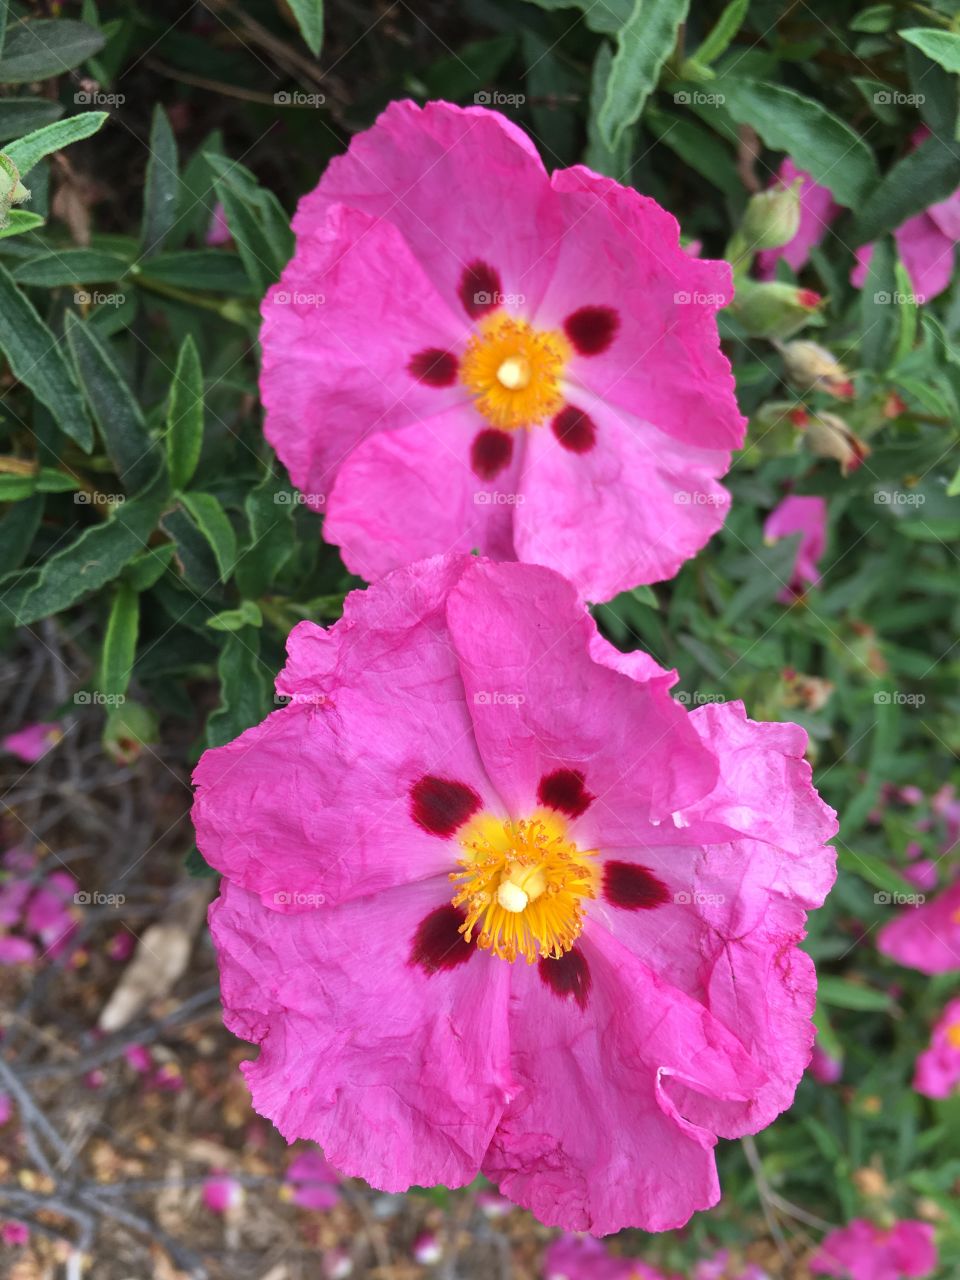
column 135, row 482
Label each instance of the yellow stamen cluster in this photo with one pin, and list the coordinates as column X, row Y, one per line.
column 513, row 371
column 953, row 1035
column 522, row 886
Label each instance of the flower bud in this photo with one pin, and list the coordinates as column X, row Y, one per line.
column 772, row 217
column 830, row 437
column 812, row 367
column 12, row 190
column 129, row 728
column 774, row 310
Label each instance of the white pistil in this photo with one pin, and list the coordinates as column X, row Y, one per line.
column 514, row 373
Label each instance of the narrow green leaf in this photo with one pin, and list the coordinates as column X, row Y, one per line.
column 17, row 531
column 644, row 44
column 185, row 416
column 258, row 223
column 244, row 688
column 836, row 156
column 726, row 27
column 208, row 270
column 844, row 994
column 94, row 559
column 196, row 866
column 19, row 221
column 614, row 162
column 3, row 23
column 696, row 148
column 70, row 267
column 46, row 47
column 120, row 642
column 874, row 870
column 269, row 509
column 921, row 178
column 36, row 358
column 248, row 615
column 30, row 150
column 309, row 16
column 149, row 567
column 878, row 315
column 212, row 521
column 162, row 185
column 134, row 453
column 942, row 47
column 907, row 314
column 20, row 115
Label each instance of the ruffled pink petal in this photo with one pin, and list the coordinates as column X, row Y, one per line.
column 626, row 1154
column 630, row 510
column 664, row 364
column 318, row 803
column 411, row 493
column 926, row 937
column 352, row 309
column 399, row 1073
column 541, row 704
column 460, row 184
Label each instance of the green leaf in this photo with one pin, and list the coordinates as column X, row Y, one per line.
column 36, row 358
column 248, row 615
column 120, row 642
column 878, row 317
column 245, row 688
column 185, row 416
column 726, row 27
column 97, row 557
column 70, row 267
column 874, row 870
column 942, row 47
column 17, row 531
column 134, row 453
column 258, row 223
column 878, row 17
column 269, row 509
column 197, row 866
column 147, row 569
column 696, row 148
column 162, row 185
column 19, row 115
column 644, row 44
column 201, row 269
column 309, row 16
column 4, row 4
column 46, row 480
column 212, row 521
column 921, row 178
column 907, row 314
column 836, row 156
column 844, row 994
column 30, row 150
column 46, row 47
column 19, row 221
column 611, row 161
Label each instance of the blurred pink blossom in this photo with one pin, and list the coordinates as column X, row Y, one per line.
column 938, row 1068
column 32, row 741
column 864, row 1251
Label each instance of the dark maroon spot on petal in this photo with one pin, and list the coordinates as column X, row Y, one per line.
column 633, row 888
column 479, row 289
column 434, row 367
column 440, row 805
column 564, row 790
column 592, row 329
column 438, row 943
column 574, row 429
column 568, row 976
column 490, row 453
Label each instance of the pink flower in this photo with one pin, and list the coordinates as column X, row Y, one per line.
column 121, row 946
column 312, row 1183
column 817, row 210
column 926, row 937
column 467, row 774
column 32, row 741
column 139, row 1057
column 719, row 1267
column 427, row 1249
column 14, row 1233
column 15, row 950
column 924, row 873
column 168, row 1078
column 925, row 246
column 825, row 1068
column 578, row 1258
column 863, row 1251
column 938, row 1068
column 219, row 231
column 221, row 1193
column 808, row 517
column 466, row 353
column 6, row 1108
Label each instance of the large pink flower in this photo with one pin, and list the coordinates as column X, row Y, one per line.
column 468, row 353
column 817, row 210
column 926, row 937
column 938, row 1068
column 808, row 517
column 863, row 1251
column 493, row 900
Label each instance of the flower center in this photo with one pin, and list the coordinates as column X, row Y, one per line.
column 953, row 1035
column 513, row 371
column 522, row 885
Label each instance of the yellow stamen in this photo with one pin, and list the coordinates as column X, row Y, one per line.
column 953, row 1035
column 522, row 885
column 513, row 371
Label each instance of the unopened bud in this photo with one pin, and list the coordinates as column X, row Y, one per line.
column 130, row 727
column 772, row 217
column 829, row 437
column 769, row 309
column 812, row 367
column 12, row 190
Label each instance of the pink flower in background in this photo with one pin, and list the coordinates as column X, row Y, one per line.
column 6, row 1108
column 824, row 1067
column 938, row 1068
column 451, row 363
column 863, row 1251
column 219, row 231
column 817, row 210
column 925, row 245
column 221, row 1193
column 139, row 1057
column 32, row 741
column 808, row 517
column 37, row 905
column 926, row 937
column 719, row 1267
column 582, row 1258
column 494, row 900
column 427, row 1249
column 311, row 1183
column 14, row 1233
